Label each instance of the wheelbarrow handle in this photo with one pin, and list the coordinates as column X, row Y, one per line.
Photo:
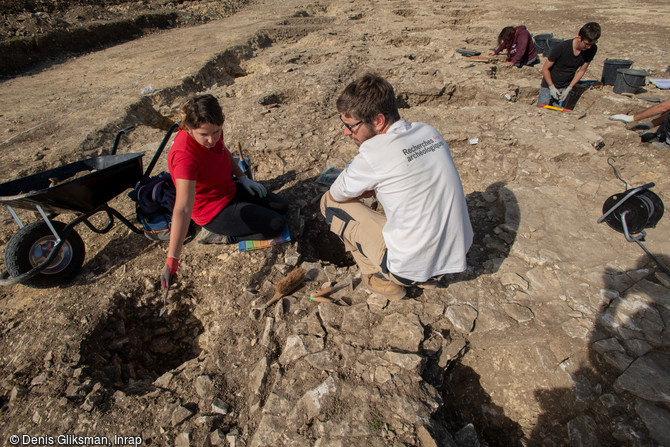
column 159, row 151
column 118, row 137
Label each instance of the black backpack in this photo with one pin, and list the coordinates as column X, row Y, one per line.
column 155, row 197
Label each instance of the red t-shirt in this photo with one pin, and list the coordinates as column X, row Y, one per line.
column 210, row 168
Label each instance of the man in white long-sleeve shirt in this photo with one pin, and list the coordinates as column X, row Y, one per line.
column 425, row 232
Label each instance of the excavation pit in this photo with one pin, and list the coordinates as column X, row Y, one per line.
column 133, row 344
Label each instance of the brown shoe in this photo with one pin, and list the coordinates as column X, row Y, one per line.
column 382, row 286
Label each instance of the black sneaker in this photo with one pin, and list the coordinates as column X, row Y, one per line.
column 648, row 137
column 641, row 126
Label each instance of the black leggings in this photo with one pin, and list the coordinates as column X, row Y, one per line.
column 249, row 217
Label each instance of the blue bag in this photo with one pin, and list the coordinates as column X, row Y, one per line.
column 155, row 197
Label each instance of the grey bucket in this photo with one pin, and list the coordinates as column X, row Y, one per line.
column 629, row 80
column 610, row 68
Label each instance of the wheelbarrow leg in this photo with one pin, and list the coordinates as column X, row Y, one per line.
column 16, row 218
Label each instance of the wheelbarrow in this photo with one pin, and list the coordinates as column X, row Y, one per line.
column 48, row 253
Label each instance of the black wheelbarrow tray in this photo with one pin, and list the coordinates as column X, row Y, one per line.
column 48, row 253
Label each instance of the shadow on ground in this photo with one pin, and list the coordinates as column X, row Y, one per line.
column 132, row 345
column 620, row 397
column 495, row 218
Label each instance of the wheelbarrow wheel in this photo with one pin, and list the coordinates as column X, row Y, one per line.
column 31, row 245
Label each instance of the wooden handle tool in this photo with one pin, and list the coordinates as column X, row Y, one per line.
column 321, row 293
column 327, row 291
column 287, row 285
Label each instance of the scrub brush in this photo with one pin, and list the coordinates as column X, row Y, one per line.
column 287, row 285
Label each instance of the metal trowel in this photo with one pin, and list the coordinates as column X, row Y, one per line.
column 164, row 309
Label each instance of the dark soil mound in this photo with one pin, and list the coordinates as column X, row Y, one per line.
column 38, row 33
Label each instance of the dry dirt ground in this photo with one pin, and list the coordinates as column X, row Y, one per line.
column 555, row 335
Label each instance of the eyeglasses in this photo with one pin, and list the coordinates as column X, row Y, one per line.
column 351, row 127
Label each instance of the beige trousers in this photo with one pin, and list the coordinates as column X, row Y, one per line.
column 360, row 228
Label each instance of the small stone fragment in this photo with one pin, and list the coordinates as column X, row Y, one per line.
column 219, row 406
column 180, row 414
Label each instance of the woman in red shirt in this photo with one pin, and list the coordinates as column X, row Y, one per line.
column 202, row 168
column 519, row 45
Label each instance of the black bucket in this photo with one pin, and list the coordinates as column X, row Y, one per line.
column 551, row 43
column 629, row 80
column 610, row 67
column 542, row 43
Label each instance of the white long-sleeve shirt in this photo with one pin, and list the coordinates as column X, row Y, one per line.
column 410, row 168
